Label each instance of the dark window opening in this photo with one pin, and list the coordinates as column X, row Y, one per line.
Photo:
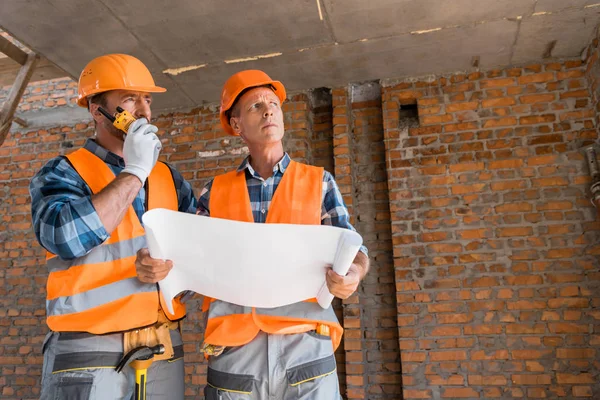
column 409, row 111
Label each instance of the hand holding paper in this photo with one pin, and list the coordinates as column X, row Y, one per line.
column 253, row 265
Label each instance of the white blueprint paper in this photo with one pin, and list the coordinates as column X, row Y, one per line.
column 253, row 265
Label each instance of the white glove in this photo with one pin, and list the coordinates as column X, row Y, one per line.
column 141, row 149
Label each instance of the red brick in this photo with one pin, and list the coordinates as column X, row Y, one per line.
column 567, row 328
column 565, row 278
column 537, row 119
column 498, row 102
column 512, row 232
column 412, row 356
column 434, row 236
column 487, row 380
column 487, row 329
column 524, row 280
column 462, row 106
column 527, row 305
column 416, row 394
column 494, row 123
column 575, row 93
column 542, row 160
column 574, row 379
column 519, row 329
column 448, row 355
column 445, row 331
column 459, row 393
column 494, row 83
column 509, row 185
column 536, row 393
column 436, row 119
column 450, row 380
column 489, row 355
column 444, row 307
column 530, row 354
column 575, row 353
column 453, row 318
column 536, row 78
column 569, row 302
column 582, row 391
column 537, row 98
column 553, row 181
column 462, row 189
column 531, row 379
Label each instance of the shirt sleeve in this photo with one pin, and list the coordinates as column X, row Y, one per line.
column 64, row 219
column 204, row 200
column 185, row 193
column 334, row 211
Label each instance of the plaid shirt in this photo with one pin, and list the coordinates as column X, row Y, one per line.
column 261, row 191
column 64, row 219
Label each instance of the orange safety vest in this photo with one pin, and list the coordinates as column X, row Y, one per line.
column 297, row 201
column 99, row 292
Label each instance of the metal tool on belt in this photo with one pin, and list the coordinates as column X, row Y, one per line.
column 140, row 359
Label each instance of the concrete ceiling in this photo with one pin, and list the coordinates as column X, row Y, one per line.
column 192, row 46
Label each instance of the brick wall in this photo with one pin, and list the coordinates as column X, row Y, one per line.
column 45, row 94
column 483, row 243
column 495, row 242
column 593, row 75
column 371, row 338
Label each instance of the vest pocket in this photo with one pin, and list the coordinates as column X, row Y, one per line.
column 319, row 336
column 74, row 387
column 211, row 393
column 226, row 386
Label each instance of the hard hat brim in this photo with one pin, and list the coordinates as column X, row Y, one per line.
column 82, row 101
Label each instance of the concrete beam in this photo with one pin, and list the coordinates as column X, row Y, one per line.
column 384, row 18
column 572, row 30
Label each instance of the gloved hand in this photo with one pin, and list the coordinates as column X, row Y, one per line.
column 141, row 149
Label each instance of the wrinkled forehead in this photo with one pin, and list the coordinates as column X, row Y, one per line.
column 259, row 93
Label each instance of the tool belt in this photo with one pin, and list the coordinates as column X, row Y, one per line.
column 150, row 336
column 214, row 350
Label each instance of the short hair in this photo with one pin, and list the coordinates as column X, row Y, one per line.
column 99, row 99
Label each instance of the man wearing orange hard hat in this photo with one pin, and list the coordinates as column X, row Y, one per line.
column 288, row 352
column 86, row 209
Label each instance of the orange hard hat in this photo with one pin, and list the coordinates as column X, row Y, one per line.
column 239, row 82
column 112, row 72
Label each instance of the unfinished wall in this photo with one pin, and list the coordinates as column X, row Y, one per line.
column 483, row 243
column 371, row 337
column 495, row 242
column 593, row 76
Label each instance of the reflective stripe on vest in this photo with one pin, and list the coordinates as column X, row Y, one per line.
column 297, row 200
column 99, row 292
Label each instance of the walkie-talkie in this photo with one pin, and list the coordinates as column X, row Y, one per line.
column 121, row 120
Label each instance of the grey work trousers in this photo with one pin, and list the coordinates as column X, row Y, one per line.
column 81, row 366
column 275, row 367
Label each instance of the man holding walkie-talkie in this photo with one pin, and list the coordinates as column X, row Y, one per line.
column 86, row 209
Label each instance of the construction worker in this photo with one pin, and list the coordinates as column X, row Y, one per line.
column 287, row 352
column 86, row 209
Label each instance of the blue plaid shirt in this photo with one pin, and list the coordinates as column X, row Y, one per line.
column 261, row 191
column 64, row 219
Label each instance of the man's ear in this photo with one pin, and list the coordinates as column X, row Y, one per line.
column 235, row 125
column 96, row 114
